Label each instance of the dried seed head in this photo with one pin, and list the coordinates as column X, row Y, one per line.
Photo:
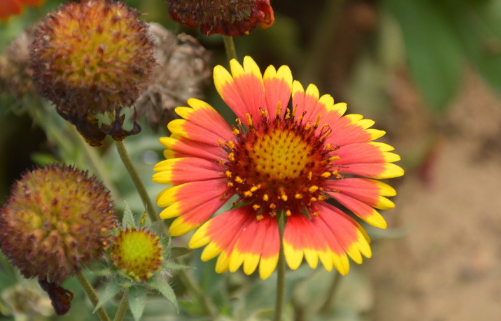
column 182, row 71
column 137, row 253
column 227, row 17
column 56, row 219
column 15, row 73
column 92, row 57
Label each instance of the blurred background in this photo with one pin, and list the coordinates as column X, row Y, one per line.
column 429, row 73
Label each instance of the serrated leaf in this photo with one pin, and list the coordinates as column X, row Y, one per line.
column 432, row 48
column 161, row 285
column 112, row 289
column 180, row 251
column 137, row 301
column 128, row 218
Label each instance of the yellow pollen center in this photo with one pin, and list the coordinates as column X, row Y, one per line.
column 280, row 155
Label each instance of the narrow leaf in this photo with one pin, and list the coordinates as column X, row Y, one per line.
column 112, row 289
column 128, row 218
column 180, row 251
column 137, row 301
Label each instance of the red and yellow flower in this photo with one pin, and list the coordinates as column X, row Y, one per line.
column 15, row 7
column 282, row 156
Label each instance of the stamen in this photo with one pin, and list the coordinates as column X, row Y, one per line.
column 228, row 174
column 273, row 206
column 239, row 180
column 249, row 120
column 284, row 197
column 229, row 184
column 265, row 197
column 235, row 131
column 326, row 175
column 259, row 217
column 263, row 112
column 247, row 194
column 288, row 213
column 279, row 109
column 313, row 189
column 310, row 175
column 256, row 207
column 298, row 196
column 230, row 144
column 231, row 157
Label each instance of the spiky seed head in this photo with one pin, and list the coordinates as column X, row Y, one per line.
column 92, row 56
column 227, row 17
column 137, row 253
column 56, row 220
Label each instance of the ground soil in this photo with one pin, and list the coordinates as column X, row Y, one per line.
column 448, row 267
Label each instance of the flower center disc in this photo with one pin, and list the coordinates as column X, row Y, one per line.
column 279, row 165
column 280, row 155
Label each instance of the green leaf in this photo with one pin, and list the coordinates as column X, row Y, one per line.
column 477, row 25
column 432, row 48
column 137, row 301
column 161, row 285
column 112, row 289
column 180, row 251
column 128, row 218
column 171, row 265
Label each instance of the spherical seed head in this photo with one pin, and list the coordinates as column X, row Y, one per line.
column 56, row 219
column 138, row 253
column 92, row 56
column 227, row 17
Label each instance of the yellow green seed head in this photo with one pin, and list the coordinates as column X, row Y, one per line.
column 138, row 253
column 56, row 220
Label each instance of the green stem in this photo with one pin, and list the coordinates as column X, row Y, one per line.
column 96, row 164
column 123, row 306
column 92, row 295
column 279, row 305
column 124, row 156
column 330, row 295
column 231, row 52
column 192, row 287
column 326, row 28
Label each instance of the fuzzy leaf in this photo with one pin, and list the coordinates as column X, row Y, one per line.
column 171, row 265
column 137, row 301
column 112, row 289
column 128, row 218
column 162, row 286
column 180, row 251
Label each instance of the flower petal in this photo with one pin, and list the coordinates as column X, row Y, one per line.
column 374, row 170
column 361, row 209
column 278, row 88
column 371, row 192
column 183, row 170
column 184, row 147
column 243, row 92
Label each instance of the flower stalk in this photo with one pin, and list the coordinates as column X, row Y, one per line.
column 92, row 295
column 123, row 306
column 131, row 169
column 279, row 304
column 229, row 45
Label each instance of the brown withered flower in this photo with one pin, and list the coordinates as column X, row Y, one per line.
column 93, row 57
column 15, row 73
column 227, row 17
column 182, row 71
column 56, row 220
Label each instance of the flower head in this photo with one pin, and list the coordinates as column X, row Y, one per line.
column 227, row 17
column 137, row 253
column 278, row 159
column 57, row 219
column 92, row 57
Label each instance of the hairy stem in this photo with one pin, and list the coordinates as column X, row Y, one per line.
column 231, row 52
column 92, row 295
column 123, row 306
column 279, row 304
column 124, row 156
